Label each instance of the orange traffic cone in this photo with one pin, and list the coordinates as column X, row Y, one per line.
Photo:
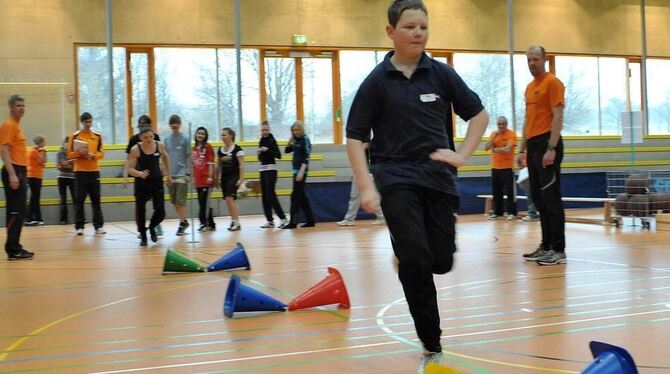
column 330, row 290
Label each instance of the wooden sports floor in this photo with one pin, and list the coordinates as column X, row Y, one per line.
column 99, row 304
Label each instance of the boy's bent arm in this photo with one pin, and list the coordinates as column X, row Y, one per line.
column 473, row 136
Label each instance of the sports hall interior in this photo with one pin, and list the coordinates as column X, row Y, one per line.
column 101, row 303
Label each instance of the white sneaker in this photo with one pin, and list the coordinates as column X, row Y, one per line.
column 283, row 222
column 530, row 218
column 379, row 222
column 346, row 222
column 268, row 225
column 80, row 231
column 234, row 226
column 511, row 217
column 100, row 231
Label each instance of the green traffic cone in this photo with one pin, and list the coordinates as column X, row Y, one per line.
column 176, row 262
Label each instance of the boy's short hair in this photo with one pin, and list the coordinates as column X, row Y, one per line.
column 37, row 139
column 13, row 99
column 398, row 6
column 174, row 119
column 538, row 48
column 85, row 116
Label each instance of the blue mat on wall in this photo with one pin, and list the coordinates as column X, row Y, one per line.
column 329, row 200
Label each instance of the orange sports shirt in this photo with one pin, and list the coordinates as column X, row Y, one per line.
column 35, row 164
column 542, row 95
column 12, row 135
column 502, row 139
column 94, row 141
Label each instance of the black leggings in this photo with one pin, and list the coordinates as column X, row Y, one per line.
column 269, row 196
column 63, row 185
column 143, row 193
column 34, row 211
column 206, row 214
column 300, row 201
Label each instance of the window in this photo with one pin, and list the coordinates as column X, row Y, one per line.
column 658, row 96
column 318, row 98
column 354, row 68
column 487, row 75
column 186, row 86
column 612, row 91
column 280, row 95
column 93, row 82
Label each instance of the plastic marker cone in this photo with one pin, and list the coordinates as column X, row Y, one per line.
column 331, row 290
column 235, row 259
column 242, row 298
column 175, row 262
column 610, row 359
column 435, row 368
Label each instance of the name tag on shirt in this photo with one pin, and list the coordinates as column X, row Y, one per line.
column 428, row 98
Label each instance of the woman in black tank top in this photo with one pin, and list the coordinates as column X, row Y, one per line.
column 144, row 165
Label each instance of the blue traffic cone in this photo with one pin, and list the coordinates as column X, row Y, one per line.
column 242, row 298
column 610, row 359
column 235, row 259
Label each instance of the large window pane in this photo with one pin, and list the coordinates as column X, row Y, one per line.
column 280, row 93
column 488, row 76
column 612, row 90
column 658, row 96
column 251, row 112
column 317, row 96
column 93, row 81
column 186, row 86
column 139, row 81
column 580, row 77
column 354, row 67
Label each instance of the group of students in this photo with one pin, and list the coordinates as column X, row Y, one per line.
column 150, row 161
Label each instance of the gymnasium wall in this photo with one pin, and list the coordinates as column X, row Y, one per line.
column 37, row 36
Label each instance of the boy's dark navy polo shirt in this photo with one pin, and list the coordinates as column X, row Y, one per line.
column 409, row 119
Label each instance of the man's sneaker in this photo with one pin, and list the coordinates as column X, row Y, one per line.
column 268, row 225
column 234, row 226
column 511, row 217
column 31, row 223
column 143, row 239
column 20, row 255
column 531, row 218
column 80, row 231
column 211, row 228
column 181, row 230
column 430, row 358
column 100, row 231
column 308, row 224
column 539, row 252
column 346, row 222
column 159, row 231
column 40, row 223
column 552, row 258
column 63, row 222
column 202, row 228
column 494, row 217
column 283, row 222
column 379, row 222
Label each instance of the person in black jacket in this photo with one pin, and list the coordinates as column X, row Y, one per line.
column 301, row 148
column 268, row 151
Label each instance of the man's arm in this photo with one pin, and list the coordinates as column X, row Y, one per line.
column 7, row 160
column 166, row 159
column 556, row 126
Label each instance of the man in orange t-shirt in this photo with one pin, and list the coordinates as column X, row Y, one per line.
column 14, row 159
column 545, row 100
column 37, row 157
column 501, row 143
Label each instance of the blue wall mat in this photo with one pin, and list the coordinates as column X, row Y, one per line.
column 330, row 199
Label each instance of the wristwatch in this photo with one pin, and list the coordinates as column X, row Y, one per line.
column 550, row 147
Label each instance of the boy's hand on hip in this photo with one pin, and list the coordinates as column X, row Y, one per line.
column 448, row 156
